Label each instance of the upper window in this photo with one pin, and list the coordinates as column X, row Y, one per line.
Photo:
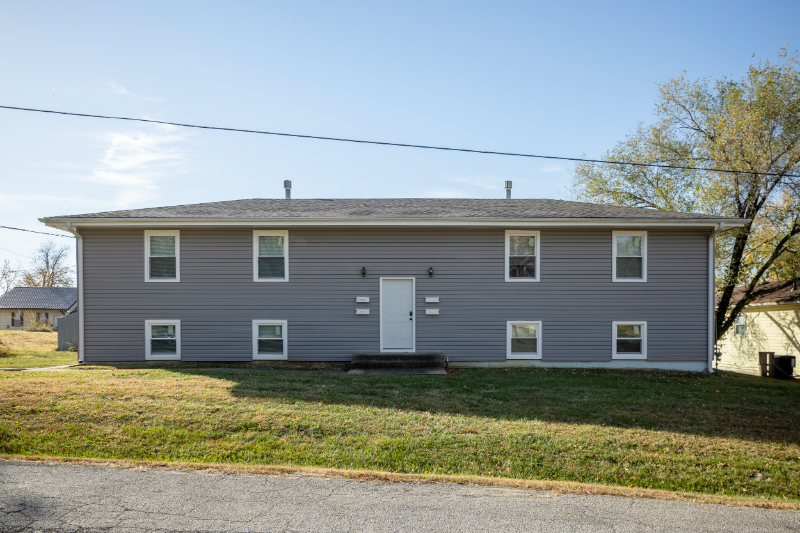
column 630, row 255
column 630, row 340
column 162, row 340
column 270, row 256
column 524, row 340
column 522, row 255
column 269, row 339
column 740, row 326
column 162, row 255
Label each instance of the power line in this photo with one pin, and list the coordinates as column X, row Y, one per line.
column 15, row 253
column 403, row 145
column 40, row 232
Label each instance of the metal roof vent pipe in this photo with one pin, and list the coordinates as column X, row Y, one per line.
column 287, row 184
column 508, row 190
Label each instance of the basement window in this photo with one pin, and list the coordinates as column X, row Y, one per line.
column 524, row 340
column 522, row 255
column 270, row 256
column 630, row 340
column 163, row 340
column 269, row 340
column 162, row 255
column 629, row 256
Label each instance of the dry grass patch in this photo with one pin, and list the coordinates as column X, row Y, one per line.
column 28, row 349
column 695, row 434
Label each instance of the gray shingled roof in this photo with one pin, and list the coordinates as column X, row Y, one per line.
column 394, row 208
column 60, row 298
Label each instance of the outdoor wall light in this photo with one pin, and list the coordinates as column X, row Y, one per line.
column 430, row 272
column 363, row 272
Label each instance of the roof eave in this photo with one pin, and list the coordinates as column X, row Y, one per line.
column 61, row 222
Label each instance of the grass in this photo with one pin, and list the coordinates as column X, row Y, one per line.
column 709, row 435
column 33, row 349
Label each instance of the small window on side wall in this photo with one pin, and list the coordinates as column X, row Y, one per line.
column 162, row 340
column 270, row 256
column 629, row 256
column 630, row 340
column 522, row 255
column 162, row 255
column 524, row 340
column 270, row 340
column 740, row 326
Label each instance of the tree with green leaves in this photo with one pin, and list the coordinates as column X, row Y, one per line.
column 748, row 127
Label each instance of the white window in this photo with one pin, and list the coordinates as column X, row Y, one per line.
column 270, row 256
column 162, row 340
column 740, row 326
column 269, row 339
column 629, row 256
column 162, row 255
column 630, row 340
column 524, row 340
column 522, row 255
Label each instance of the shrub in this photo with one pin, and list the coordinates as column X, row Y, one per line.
column 39, row 327
column 5, row 349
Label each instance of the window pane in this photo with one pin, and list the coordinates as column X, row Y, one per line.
column 522, row 245
column 741, row 320
column 162, row 267
column 629, row 246
column 270, row 267
column 161, row 245
column 522, row 267
column 162, row 332
column 632, row 331
column 527, row 330
column 270, row 332
column 270, row 346
column 629, row 267
column 629, row 346
column 163, row 346
column 270, row 245
column 739, row 330
column 524, row 345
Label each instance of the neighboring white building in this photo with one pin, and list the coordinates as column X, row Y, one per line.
column 770, row 324
column 22, row 306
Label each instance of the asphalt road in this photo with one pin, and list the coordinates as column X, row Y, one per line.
column 45, row 498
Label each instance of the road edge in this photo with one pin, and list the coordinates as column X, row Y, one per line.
column 559, row 487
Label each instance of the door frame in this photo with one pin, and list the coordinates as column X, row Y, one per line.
column 413, row 315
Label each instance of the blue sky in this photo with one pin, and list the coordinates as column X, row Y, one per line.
column 559, row 78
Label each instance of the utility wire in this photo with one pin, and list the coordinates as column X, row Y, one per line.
column 403, row 145
column 40, row 232
column 15, row 253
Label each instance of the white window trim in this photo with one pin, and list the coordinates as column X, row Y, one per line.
column 524, row 355
column 162, row 233
column 614, row 235
column 510, row 233
column 285, row 337
column 630, row 356
column 277, row 233
column 148, row 334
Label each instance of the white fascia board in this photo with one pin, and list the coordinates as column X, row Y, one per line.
column 60, row 223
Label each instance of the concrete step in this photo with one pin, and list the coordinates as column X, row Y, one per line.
column 377, row 360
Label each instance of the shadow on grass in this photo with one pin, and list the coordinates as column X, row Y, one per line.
column 728, row 405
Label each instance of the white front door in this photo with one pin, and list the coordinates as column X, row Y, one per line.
column 397, row 314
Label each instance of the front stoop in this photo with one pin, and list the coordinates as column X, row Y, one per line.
column 413, row 362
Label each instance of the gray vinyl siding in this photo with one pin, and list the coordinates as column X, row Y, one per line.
column 216, row 299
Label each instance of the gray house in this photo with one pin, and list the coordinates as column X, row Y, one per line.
column 486, row 282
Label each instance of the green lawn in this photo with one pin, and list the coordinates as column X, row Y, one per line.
column 33, row 349
column 736, row 435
